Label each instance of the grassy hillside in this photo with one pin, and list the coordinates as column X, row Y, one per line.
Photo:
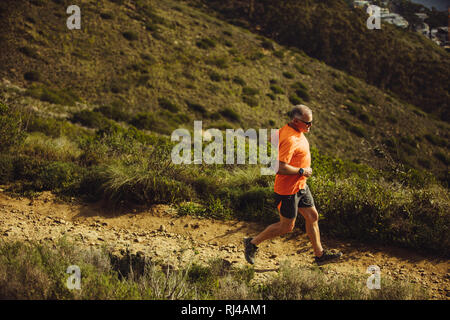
column 132, row 54
column 335, row 32
column 88, row 113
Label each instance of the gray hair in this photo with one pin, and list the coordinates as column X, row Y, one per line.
column 298, row 111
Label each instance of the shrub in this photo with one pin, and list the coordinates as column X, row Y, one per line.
column 32, row 76
column 300, row 69
column 251, row 101
column 11, row 128
column 359, row 131
column 442, row 157
column 214, row 76
column 206, row 43
column 113, row 112
column 339, row 88
column 294, row 99
column 353, row 109
column 6, row 168
column 43, row 147
column 249, row 91
column 56, row 96
column 238, row 80
column 279, row 54
column 168, row 105
column 88, row 118
column 271, row 96
column 106, row 15
column 220, row 62
column 119, row 85
column 303, row 94
column 30, row 52
column 196, row 107
column 437, row 141
column 276, row 89
column 268, row 44
column 288, row 75
column 298, row 86
column 130, row 35
column 148, row 121
column 228, row 43
column 58, row 176
column 364, row 117
column 230, row 114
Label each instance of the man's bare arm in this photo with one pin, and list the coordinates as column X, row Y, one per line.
column 287, row 169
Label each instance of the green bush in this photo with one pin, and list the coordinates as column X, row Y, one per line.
column 294, row 99
column 106, row 15
column 150, row 121
column 30, row 52
column 113, row 112
column 364, row 117
column 339, row 88
column 303, row 94
column 11, row 128
column 279, row 54
column 63, row 97
column 271, row 96
column 196, row 107
column 130, row 35
column 437, row 141
column 359, row 131
column 214, row 76
column 168, row 105
column 268, row 44
column 6, row 168
column 276, row 89
column 230, row 114
column 206, row 43
column 251, row 101
column 239, row 81
column 442, row 157
column 352, row 108
column 300, row 69
column 249, row 91
column 220, row 62
column 288, row 75
column 54, row 127
column 88, row 118
column 32, row 76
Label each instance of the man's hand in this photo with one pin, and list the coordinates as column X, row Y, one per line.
column 307, row 172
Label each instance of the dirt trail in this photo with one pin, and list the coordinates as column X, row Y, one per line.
column 160, row 234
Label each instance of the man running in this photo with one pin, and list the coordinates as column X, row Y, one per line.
column 291, row 191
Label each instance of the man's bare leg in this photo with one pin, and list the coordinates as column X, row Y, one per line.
column 277, row 229
column 312, row 228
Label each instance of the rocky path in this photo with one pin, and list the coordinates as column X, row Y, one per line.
column 161, row 234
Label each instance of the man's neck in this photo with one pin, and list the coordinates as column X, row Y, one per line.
column 293, row 127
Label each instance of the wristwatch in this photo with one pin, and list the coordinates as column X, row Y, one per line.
column 300, row 172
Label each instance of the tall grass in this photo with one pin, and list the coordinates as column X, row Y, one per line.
column 38, row 271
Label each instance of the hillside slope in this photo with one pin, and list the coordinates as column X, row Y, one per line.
column 131, row 54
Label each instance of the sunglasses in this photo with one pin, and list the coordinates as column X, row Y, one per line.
column 308, row 123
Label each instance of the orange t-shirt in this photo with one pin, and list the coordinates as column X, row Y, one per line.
column 293, row 150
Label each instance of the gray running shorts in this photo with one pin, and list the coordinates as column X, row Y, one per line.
column 290, row 203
